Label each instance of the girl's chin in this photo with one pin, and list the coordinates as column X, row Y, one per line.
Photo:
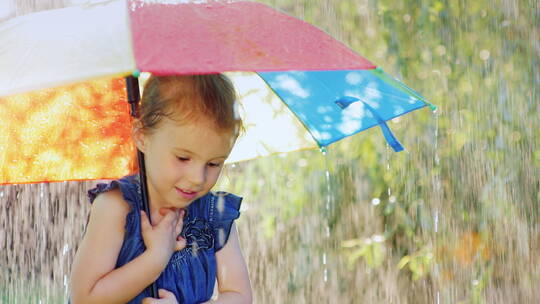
column 179, row 204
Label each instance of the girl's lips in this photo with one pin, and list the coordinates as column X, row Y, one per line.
column 186, row 195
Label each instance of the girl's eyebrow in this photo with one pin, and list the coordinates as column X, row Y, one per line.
column 191, row 152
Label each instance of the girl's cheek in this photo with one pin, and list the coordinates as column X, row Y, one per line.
column 215, row 174
column 177, row 166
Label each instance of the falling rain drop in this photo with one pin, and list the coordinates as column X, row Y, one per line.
column 436, row 186
column 378, row 238
column 221, row 234
column 327, row 210
column 220, row 205
column 436, row 220
column 407, row 18
column 387, row 154
column 484, row 55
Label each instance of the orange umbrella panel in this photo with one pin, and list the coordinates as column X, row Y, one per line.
column 75, row 132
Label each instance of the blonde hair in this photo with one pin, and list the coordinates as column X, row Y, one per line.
column 187, row 98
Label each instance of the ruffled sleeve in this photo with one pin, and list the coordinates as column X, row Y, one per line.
column 129, row 186
column 224, row 209
column 100, row 188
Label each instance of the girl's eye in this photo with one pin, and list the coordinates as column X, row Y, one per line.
column 182, row 158
column 214, row 164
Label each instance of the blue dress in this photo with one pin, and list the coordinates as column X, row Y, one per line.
column 191, row 272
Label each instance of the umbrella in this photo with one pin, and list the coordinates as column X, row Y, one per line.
column 309, row 88
column 64, row 112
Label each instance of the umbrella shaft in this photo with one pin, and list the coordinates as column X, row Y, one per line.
column 132, row 87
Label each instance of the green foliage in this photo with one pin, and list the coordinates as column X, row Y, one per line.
column 371, row 250
column 418, row 263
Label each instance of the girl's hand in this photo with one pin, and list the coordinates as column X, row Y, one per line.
column 163, row 238
column 165, row 297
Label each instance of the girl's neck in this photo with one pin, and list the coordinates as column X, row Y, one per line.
column 154, row 205
column 155, row 216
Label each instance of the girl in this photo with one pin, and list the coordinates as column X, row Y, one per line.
column 186, row 131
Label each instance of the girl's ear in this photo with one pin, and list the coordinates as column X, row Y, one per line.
column 138, row 135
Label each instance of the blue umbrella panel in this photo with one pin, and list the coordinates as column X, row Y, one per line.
column 336, row 104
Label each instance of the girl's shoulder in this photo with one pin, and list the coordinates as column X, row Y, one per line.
column 121, row 196
column 111, row 200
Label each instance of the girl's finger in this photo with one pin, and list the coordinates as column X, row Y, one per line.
column 179, row 226
column 165, row 294
column 148, row 301
column 180, row 243
column 176, row 218
column 145, row 223
column 169, row 218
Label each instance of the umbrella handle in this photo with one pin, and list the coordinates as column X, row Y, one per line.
column 132, row 87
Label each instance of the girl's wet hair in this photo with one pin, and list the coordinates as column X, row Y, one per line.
column 188, row 98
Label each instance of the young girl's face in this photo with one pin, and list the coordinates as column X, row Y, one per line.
column 183, row 160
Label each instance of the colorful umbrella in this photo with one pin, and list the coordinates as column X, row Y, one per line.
column 64, row 112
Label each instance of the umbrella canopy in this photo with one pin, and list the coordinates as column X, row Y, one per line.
column 64, row 109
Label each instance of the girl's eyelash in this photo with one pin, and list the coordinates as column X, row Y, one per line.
column 187, row 158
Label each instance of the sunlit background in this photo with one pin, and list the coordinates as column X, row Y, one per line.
column 453, row 219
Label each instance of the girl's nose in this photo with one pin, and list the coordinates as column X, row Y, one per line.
column 197, row 175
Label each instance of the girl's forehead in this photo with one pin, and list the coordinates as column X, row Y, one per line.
column 201, row 135
column 201, row 126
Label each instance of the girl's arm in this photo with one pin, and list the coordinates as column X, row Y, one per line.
column 94, row 278
column 232, row 273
